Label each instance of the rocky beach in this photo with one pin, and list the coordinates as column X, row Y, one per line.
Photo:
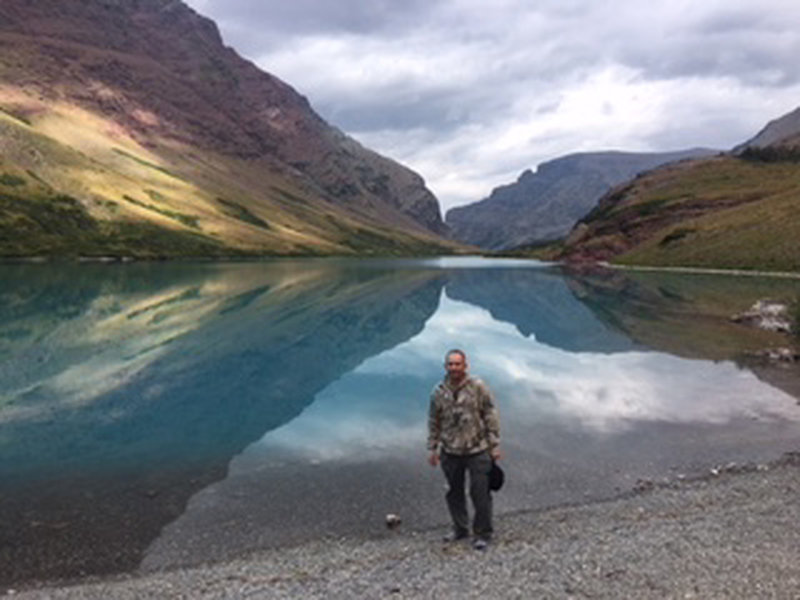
column 728, row 534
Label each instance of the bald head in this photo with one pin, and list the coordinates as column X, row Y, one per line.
column 455, row 363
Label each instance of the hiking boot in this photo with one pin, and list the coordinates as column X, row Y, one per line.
column 480, row 544
column 455, row 536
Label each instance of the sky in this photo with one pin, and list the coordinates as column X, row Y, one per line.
column 471, row 93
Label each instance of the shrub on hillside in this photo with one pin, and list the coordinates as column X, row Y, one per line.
column 771, row 154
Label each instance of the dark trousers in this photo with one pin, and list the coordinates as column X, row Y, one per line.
column 478, row 465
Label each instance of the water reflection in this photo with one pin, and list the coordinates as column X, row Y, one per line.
column 119, row 406
column 598, row 393
column 287, row 400
column 575, row 424
column 543, row 306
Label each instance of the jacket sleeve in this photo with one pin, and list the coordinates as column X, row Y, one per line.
column 490, row 416
column 434, row 424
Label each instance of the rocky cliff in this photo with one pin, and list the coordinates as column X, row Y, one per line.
column 544, row 205
column 139, row 113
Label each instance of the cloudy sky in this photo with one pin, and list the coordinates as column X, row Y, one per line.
column 469, row 93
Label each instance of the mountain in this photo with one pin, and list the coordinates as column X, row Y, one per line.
column 128, row 127
column 783, row 132
column 734, row 211
column 544, row 205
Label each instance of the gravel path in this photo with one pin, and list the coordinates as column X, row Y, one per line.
column 733, row 535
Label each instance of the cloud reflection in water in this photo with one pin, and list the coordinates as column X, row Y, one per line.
column 577, row 424
column 381, row 407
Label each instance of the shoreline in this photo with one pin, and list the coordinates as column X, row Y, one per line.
column 700, row 270
column 730, row 533
column 128, row 259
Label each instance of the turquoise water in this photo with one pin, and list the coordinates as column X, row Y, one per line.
column 160, row 414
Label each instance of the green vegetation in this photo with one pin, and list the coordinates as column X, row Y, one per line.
column 10, row 180
column 547, row 250
column 675, row 235
column 609, row 204
column 146, row 163
column 156, row 196
column 378, row 241
column 188, row 220
column 59, row 226
column 34, row 221
column 287, row 196
column 147, row 240
column 757, row 236
column 33, row 175
column 719, row 213
column 286, row 217
column 645, row 209
column 772, row 154
column 237, row 211
column 365, row 241
column 386, row 243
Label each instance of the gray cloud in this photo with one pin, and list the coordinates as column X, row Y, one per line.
column 258, row 25
column 469, row 95
column 749, row 44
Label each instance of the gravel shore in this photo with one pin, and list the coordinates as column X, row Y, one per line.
column 729, row 535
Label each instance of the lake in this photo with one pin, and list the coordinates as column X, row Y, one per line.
column 154, row 415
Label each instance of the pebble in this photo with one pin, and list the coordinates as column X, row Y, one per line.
column 731, row 536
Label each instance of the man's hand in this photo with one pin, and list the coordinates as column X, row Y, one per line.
column 433, row 459
column 495, row 453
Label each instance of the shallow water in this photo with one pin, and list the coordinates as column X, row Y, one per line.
column 162, row 414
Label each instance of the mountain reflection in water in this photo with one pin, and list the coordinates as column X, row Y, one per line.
column 148, row 409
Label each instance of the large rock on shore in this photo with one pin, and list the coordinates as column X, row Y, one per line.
column 766, row 314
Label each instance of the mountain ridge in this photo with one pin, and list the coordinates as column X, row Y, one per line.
column 544, row 205
column 735, row 211
column 781, row 132
column 149, row 83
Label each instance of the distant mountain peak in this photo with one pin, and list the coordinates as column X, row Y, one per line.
column 544, row 205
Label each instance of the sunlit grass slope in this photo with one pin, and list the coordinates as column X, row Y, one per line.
column 73, row 183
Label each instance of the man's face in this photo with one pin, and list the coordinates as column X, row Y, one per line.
column 456, row 366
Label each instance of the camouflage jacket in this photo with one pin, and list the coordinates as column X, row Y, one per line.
column 463, row 420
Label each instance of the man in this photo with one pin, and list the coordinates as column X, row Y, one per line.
column 464, row 435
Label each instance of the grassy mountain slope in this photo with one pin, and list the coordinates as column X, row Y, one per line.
column 128, row 128
column 724, row 212
column 68, row 188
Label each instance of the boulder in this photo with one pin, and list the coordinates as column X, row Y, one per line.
column 766, row 314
